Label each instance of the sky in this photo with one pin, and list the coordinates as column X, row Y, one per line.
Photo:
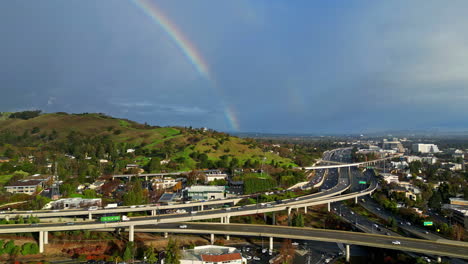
column 272, row 66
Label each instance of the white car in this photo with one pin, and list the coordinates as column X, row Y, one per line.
column 248, row 257
column 396, row 242
column 183, row 226
column 256, row 258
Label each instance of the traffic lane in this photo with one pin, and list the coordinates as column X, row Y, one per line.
column 336, row 236
column 375, row 208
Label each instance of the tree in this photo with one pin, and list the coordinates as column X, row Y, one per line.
column 298, row 220
column 127, row 253
column 172, row 252
column 287, row 252
column 150, row 255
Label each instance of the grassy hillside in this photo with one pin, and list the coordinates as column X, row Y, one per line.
column 177, row 143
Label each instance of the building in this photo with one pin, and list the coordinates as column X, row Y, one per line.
column 212, row 255
column 165, row 183
column 4, row 159
column 96, row 185
column 211, row 175
column 411, row 191
column 389, row 178
column 24, row 186
column 425, row 148
column 459, row 209
column 168, row 198
column 236, row 187
column 393, row 145
column 201, row 192
column 73, row 203
column 452, row 166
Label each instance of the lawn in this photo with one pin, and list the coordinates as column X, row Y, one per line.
column 4, row 179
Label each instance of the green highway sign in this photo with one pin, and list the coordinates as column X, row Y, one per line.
column 428, row 223
column 362, row 182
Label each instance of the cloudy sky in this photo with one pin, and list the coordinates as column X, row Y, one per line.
column 275, row 66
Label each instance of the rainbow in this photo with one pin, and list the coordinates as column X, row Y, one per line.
column 187, row 48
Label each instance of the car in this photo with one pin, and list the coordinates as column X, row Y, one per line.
column 256, row 258
column 133, row 206
column 295, row 244
column 352, row 212
column 248, row 257
column 396, row 242
column 296, row 199
column 92, row 208
column 34, row 224
column 70, row 223
column 55, row 211
column 264, row 250
column 193, row 212
column 387, row 233
column 426, row 232
column 183, row 226
column 378, row 209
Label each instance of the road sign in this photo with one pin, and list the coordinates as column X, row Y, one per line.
column 428, row 223
column 362, row 182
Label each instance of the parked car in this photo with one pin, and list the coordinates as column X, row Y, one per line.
column 396, row 242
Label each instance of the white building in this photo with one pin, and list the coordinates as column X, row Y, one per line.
column 212, row 175
column 161, row 184
column 201, row 192
column 425, row 148
column 24, row 186
column 212, row 255
column 389, row 178
column 71, row 203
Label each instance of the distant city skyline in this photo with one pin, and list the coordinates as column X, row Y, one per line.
column 307, row 67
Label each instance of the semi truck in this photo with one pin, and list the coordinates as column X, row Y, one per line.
column 114, row 218
column 111, row 205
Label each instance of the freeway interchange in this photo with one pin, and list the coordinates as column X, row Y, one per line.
column 343, row 181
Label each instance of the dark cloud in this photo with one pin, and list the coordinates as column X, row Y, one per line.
column 299, row 66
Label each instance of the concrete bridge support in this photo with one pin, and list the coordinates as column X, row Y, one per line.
column 228, row 237
column 228, row 219
column 274, row 219
column 90, row 216
column 212, row 239
column 153, row 212
column 305, row 210
column 439, row 259
column 166, row 235
column 41, row 241
column 347, row 254
column 131, row 233
column 201, row 207
column 46, row 237
column 271, row 243
column 222, row 220
column 355, row 200
column 329, row 207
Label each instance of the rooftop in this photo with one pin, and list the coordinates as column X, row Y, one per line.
column 203, row 188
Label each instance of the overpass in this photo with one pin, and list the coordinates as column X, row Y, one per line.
column 439, row 248
column 223, row 214
column 348, row 165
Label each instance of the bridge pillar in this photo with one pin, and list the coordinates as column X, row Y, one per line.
column 271, row 243
column 46, row 237
column 146, row 178
column 274, row 218
column 131, row 233
column 228, row 237
column 90, row 216
column 347, row 254
column 166, row 235
column 153, row 212
column 228, row 219
column 305, row 210
column 355, row 200
column 212, row 239
column 201, row 207
column 329, row 207
column 289, row 211
column 41, row 241
column 439, row 259
column 222, row 220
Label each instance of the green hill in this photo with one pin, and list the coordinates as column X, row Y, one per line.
column 186, row 146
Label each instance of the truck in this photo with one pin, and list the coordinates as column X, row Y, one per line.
column 111, row 205
column 114, row 218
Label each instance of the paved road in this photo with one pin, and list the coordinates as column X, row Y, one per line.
column 407, row 244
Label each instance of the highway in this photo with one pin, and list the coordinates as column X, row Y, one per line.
column 445, row 248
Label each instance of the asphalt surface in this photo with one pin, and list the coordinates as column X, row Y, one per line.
column 407, row 244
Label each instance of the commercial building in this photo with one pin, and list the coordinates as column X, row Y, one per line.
column 459, row 209
column 212, row 255
column 24, row 186
column 201, row 192
column 73, row 203
column 393, row 145
column 425, row 148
